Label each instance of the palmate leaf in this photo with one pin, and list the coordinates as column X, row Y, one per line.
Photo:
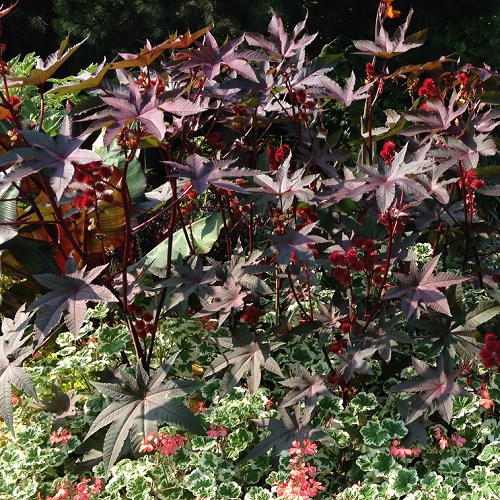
column 84, row 80
column 467, row 152
column 291, row 427
column 305, row 386
column 45, row 69
column 58, row 155
column 148, row 54
column 280, row 43
column 386, row 47
column 354, row 360
column 138, row 404
column 421, row 284
column 201, row 172
column 453, row 336
column 295, row 242
column 12, row 354
column 384, row 336
column 209, row 57
column 346, row 95
column 62, row 405
column 186, row 280
column 69, row 294
column 223, row 299
column 285, row 187
column 437, row 385
column 246, row 353
column 435, row 117
column 125, row 109
column 386, row 178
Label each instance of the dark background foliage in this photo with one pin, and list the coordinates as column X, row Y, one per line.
column 471, row 30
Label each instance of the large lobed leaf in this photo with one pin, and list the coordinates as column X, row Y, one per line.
column 12, row 354
column 69, row 294
column 140, row 402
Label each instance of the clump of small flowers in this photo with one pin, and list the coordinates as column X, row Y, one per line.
column 403, row 452
column 251, row 314
column 484, row 399
column 215, row 432
column 490, row 353
column 429, row 89
column 445, row 442
column 162, row 442
column 61, row 437
column 84, row 490
column 300, row 484
column 388, row 152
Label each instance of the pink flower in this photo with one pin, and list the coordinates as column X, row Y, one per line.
column 60, row 437
column 485, row 401
column 216, row 432
column 459, row 441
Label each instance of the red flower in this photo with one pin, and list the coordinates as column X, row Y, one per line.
column 388, row 152
column 462, row 78
column 300, row 96
column 429, row 89
column 282, row 153
column 342, row 275
column 251, row 314
column 490, row 353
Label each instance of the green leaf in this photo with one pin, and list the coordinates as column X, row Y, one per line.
column 451, row 465
column 203, row 234
column 374, row 434
column 230, row 489
column 8, row 213
column 492, row 97
column 403, row 481
column 491, row 454
column 395, row 428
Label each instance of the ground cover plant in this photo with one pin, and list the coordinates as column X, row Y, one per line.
column 228, row 273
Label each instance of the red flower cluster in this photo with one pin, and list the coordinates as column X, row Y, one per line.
column 445, row 442
column 143, row 320
column 370, row 71
column 429, row 89
column 251, row 314
column 338, row 346
column 84, row 490
column 215, row 432
column 360, row 257
column 490, row 353
column 93, row 176
column 462, row 78
column 300, row 484
column 162, row 442
column 403, row 451
column 472, row 181
column 213, row 139
column 388, row 152
column 62, row 437
column 277, row 156
column 484, row 398
column 146, row 82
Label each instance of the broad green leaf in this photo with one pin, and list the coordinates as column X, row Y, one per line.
column 8, row 213
column 491, row 454
column 203, row 234
column 374, row 434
